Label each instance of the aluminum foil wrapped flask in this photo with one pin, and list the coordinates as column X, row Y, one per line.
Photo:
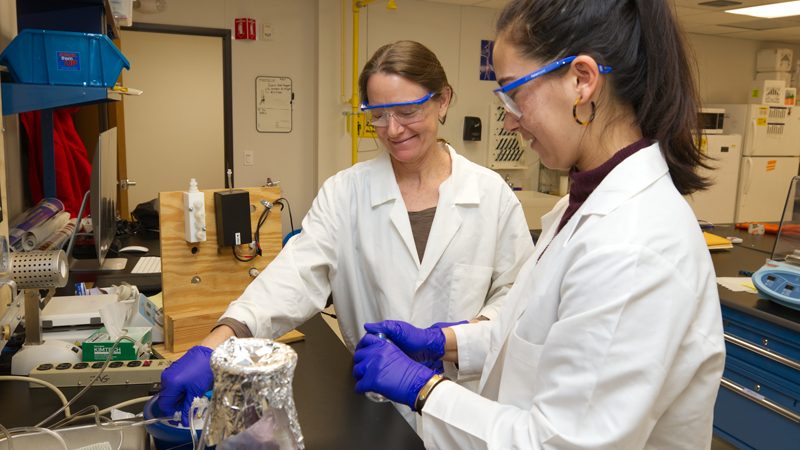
column 252, row 405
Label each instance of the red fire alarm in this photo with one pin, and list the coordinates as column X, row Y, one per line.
column 244, row 28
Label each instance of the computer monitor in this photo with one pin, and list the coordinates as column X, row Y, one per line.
column 103, row 201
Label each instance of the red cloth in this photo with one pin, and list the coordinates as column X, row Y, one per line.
column 73, row 169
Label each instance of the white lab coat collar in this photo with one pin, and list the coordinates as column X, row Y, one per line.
column 630, row 177
column 461, row 188
column 383, row 187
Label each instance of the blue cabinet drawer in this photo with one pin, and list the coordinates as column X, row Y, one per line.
column 758, row 405
column 747, row 420
column 766, row 335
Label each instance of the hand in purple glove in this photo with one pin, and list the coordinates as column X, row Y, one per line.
column 383, row 368
column 420, row 344
column 187, row 378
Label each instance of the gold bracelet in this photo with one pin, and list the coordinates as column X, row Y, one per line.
column 423, row 394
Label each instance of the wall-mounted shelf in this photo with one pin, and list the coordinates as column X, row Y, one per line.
column 21, row 97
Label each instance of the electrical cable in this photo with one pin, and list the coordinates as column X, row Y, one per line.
column 242, row 259
column 192, row 412
column 42, row 430
column 10, row 446
column 262, row 219
column 46, row 384
column 100, row 421
column 99, row 412
column 91, row 383
column 281, row 201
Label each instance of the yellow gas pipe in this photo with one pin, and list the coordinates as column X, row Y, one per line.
column 354, row 100
column 354, row 106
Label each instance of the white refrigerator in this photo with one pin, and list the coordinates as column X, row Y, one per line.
column 717, row 204
column 770, row 157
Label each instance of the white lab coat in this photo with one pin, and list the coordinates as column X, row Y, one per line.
column 357, row 242
column 613, row 339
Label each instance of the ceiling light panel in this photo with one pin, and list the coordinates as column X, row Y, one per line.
column 771, row 11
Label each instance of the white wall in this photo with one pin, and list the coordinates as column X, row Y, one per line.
column 288, row 157
column 307, row 47
column 726, row 66
column 452, row 32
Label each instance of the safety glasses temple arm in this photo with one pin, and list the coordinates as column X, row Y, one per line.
column 419, row 101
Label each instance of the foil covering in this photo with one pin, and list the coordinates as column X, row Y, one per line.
column 253, row 390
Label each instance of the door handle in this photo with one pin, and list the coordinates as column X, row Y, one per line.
column 126, row 183
column 762, row 352
column 748, row 179
column 760, row 400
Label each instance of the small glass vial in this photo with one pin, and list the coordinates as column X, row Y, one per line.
column 374, row 396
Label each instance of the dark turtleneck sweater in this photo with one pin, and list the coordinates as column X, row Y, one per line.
column 582, row 184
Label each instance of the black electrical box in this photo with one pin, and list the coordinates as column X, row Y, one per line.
column 472, row 128
column 232, row 211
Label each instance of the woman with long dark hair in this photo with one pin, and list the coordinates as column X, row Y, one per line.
column 611, row 336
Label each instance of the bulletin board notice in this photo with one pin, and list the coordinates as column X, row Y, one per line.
column 274, row 104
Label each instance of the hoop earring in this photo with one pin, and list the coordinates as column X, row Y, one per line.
column 575, row 113
column 442, row 119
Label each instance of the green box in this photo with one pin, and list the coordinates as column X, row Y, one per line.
column 97, row 346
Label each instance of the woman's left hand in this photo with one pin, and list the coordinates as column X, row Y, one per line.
column 383, row 368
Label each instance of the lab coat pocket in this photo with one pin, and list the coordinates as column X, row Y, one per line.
column 519, row 371
column 468, row 290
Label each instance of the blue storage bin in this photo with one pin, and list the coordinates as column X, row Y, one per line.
column 63, row 58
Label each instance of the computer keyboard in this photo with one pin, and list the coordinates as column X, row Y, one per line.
column 148, row 264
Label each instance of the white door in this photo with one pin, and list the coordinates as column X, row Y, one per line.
column 174, row 130
column 763, row 186
column 717, row 204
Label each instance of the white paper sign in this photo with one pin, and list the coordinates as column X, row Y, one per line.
column 274, row 104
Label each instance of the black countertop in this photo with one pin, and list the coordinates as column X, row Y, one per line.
column 728, row 263
column 331, row 414
column 761, row 243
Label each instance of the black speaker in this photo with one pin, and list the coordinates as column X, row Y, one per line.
column 472, row 128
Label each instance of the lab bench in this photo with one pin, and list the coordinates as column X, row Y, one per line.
column 331, row 414
column 758, row 405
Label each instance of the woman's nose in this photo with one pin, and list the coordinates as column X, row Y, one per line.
column 393, row 126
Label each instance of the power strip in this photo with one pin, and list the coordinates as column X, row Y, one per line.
column 117, row 373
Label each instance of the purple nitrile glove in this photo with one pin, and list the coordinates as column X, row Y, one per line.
column 421, row 344
column 437, row 365
column 187, row 378
column 383, row 368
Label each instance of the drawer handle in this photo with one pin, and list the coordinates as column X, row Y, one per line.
column 791, row 415
column 763, row 352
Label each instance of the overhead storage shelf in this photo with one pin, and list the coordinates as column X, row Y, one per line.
column 20, row 97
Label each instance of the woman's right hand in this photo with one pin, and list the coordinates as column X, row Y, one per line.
column 187, row 378
column 421, row 344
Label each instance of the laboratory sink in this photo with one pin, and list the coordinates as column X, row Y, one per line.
column 130, row 438
column 535, row 205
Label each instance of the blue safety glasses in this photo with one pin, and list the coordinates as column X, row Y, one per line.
column 508, row 102
column 404, row 113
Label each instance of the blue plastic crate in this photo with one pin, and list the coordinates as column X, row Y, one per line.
column 63, row 58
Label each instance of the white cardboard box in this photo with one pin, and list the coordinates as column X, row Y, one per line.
column 774, row 60
column 768, row 92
